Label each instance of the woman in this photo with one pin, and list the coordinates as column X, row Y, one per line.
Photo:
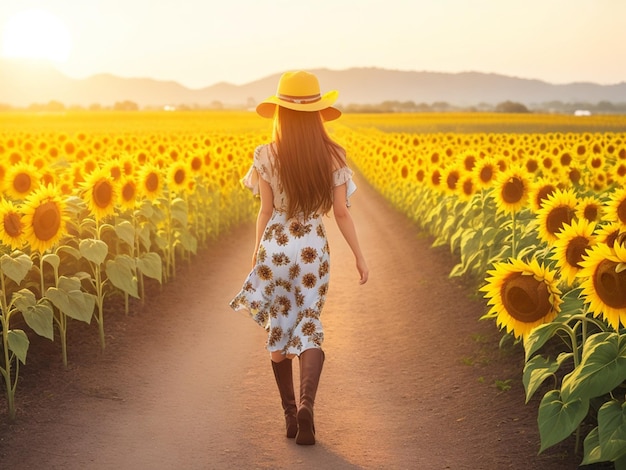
column 300, row 176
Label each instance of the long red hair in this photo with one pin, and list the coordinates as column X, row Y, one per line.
column 305, row 158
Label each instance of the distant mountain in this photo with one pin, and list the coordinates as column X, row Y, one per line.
column 23, row 83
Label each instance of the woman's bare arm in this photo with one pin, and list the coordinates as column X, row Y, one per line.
column 265, row 213
column 348, row 230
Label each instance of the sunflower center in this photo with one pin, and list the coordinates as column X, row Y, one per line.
column 128, row 192
column 22, row 183
column 543, row 193
column 179, row 176
column 152, row 182
column 12, row 224
column 513, row 190
column 525, row 298
column 468, row 188
column 102, row 194
column 557, row 217
column 575, row 250
column 46, row 221
column 610, row 285
column 486, row 173
column 591, row 212
column 452, row 180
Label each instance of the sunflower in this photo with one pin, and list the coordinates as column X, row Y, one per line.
column 195, row 164
column 522, row 296
column 572, row 243
column 590, row 208
column 559, row 209
column 466, row 187
column 128, row 193
column 21, row 179
column 435, row 180
column 178, row 176
column 608, row 233
column 44, row 218
column 511, row 189
column 150, row 182
column 11, row 225
column 485, row 172
column 100, row 193
column 616, row 207
column 450, row 177
column 541, row 189
column 604, row 284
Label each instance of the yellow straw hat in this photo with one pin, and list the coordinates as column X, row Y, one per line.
column 300, row 91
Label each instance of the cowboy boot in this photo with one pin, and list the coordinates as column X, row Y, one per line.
column 284, row 380
column 311, row 361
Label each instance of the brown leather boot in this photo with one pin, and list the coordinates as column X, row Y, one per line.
column 284, row 380
column 311, row 361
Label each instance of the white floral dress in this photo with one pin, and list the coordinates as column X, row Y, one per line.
column 286, row 290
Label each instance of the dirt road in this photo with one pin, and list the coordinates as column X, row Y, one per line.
column 410, row 378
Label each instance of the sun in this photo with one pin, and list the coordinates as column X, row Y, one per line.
column 36, row 34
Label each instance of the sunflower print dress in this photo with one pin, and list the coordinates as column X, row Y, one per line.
column 286, row 290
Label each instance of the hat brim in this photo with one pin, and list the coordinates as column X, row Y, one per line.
column 267, row 107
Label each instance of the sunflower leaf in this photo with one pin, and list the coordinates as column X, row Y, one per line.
column 40, row 318
column 121, row 272
column 94, row 250
column 540, row 336
column 16, row 268
column 71, row 300
column 538, row 369
column 52, row 259
column 558, row 418
column 18, row 343
column 612, row 429
column 126, row 232
column 601, row 369
column 151, row 265
column 593, row 453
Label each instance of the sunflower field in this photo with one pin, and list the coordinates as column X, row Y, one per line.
column 94, row 205
column 538, row 220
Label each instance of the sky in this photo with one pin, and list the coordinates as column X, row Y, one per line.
column 199, row 43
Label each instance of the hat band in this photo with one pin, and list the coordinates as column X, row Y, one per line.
column 300, row 99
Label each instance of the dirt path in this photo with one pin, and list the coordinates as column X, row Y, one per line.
column 185, row 383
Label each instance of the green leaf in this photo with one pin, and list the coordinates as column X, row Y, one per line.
column 52, row 259
column 538, row 369
column 71, row 300
column 144, row 237
column 24, row 299
column 18, row 343
column 601, row 369
column 121, row 272
column 572, row 302
column 70, row 250
column 151, row 265
column 189, row 242
column 539, row 336
column 126, row 232
column 559, row 418
column 40, row 318
column 16, row 268
column 593, row 453
column 178, row 211
column 93, row 250
column 612, row 429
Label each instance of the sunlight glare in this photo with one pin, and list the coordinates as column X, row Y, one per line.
column 36, row 34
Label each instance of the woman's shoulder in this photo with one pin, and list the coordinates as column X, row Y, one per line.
column 263, row 152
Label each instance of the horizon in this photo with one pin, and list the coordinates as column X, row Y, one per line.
column 199, row 45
